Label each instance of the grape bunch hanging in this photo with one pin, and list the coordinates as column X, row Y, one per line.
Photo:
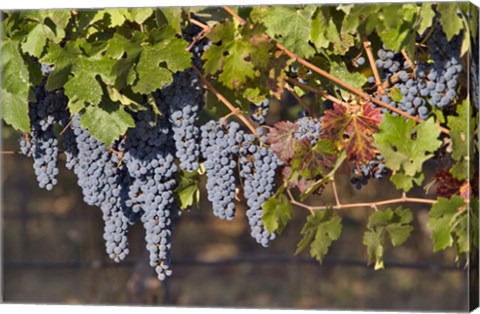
column 146, row 81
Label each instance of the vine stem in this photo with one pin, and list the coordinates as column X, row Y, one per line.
column 66, row 127
column 220, row 97
column 378, row 82
column 197, row 38
column 205, row 27
column 336, row 80
column 335, row 193
column 316, row 91
column 410, row 63
column 299, row 204
column 374, row 205
column 300, row 100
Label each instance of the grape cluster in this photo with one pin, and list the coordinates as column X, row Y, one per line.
column 102, row 182
column 150, row 164
column 308, row 129
column 258, row 167
column 374, row 169
column 260, row 111
column 184, row 109
column 41, row 143
column 216, row 146
column 428, row 84
column 134, row 179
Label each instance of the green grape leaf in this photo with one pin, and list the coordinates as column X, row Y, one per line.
column 36, row 40
column 290, row 26
column 318, row 34
column 231, row 53
column 152, row 73
column 389, row 225
column 236, row 69
column 343, row 44
column 461, row 132
column 395, row 94
column 15, row 86
column 126, row 52
column 352, row 128
column 355, row 20
column 118, row 46
column 116, row 96
column 49, row 24
column 323, row 30
column 375, row 248
column 396, row 34
column 139, row 15
column 406, row 146
column 405, row 182
column 440, row 219
column 277, row 211
column 63, row 59
column 107, row 121
column 320, row 230
column 84, row 88
column 452, row 24
column 116, row 16
column 355, row 79
column 169, row 16
column 426, row 17
column 187, row 190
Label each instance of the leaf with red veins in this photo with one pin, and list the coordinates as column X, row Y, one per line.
column 311, row 161
column 447, row 184
column 281, row 139
column 352, row 127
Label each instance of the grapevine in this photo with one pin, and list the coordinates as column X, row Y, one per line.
column 141, row 102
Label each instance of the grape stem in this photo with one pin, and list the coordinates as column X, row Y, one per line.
column 299, row 204
column 393, row 79
column 335, row 192
column 336, row 80
column 205, row 27
column 410, row 63
column 195, row 40
column 220, row 97
column 378, row 82
column 373, row 205
column 316, row 91
column 66, row 127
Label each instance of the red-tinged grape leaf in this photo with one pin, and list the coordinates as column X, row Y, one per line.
column 447, row 184
column 311, row 161
column 281, row 139
column 352, row 127
column 295, row 180
column 276, row 74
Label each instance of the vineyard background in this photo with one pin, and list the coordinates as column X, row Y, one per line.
column 54, row 253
